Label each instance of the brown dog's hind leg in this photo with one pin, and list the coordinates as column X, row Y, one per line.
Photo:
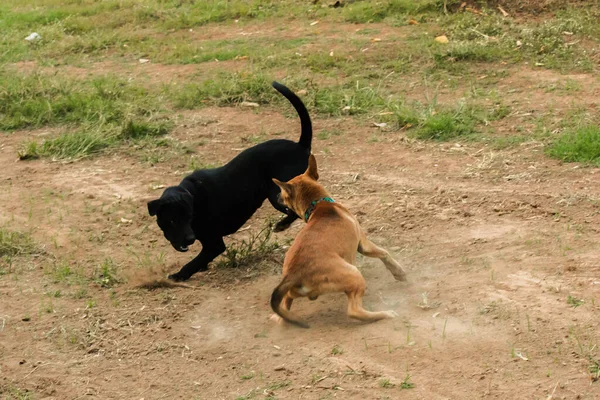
column 285, row 303
column 355, row 292
column 370, row 249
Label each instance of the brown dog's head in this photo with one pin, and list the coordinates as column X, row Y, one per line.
column 299, row 192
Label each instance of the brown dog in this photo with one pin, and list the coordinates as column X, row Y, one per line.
column 322, row 257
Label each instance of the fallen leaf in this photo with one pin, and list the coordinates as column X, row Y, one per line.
column 314, row 23
column 144, row 60
column 442, row 39
column 380, row 124
column 125, row 221
column 413, row 22
column 503, row 11
column 375, row 40
column 248, row 104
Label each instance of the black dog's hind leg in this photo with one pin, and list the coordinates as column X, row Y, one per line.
column 290, row 216
column 210, row 250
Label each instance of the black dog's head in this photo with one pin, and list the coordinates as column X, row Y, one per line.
column 173, row 213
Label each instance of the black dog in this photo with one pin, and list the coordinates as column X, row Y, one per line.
column 212, row 203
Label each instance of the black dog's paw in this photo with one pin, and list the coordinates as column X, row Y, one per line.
column 178, row 277
column 281, row 226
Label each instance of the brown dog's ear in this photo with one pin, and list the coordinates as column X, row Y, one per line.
column 311, row 171
column 284, row 186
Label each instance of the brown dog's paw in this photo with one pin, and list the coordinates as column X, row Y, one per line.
column 399, row 275
column 277, row 319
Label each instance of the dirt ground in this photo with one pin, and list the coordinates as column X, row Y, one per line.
column 494, row 243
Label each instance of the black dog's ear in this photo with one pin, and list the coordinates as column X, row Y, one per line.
column 153, row 207
column 187, row 198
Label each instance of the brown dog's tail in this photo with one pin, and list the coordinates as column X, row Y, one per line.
column 276, row 298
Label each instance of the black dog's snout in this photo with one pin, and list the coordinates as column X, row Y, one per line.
column 190, row 239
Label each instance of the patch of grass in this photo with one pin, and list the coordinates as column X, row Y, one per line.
column 574, row 301
column 386, row 384
column 278, row 385
column 106, row 274
column 90, row 141
column 406, row 383
column 445, row 125
column 247, row 376
column 224, row 90
column 437, row 123
column 594, row 369
column 579, row 145
column 246, row 253
column 492, row 38
column 14, row 244
column 375, row 11
column 337, row 350
column 36, row 100
column 15, row 393
column 67, row 146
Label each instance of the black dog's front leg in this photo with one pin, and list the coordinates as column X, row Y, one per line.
column 210, row 250
column 290, row 217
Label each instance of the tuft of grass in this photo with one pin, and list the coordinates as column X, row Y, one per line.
column 224, row 90
column 247, row 376
column 406, row 384
column 14, row 244
column 594, row 369
column 67, row 146
column 36, row 100
column 375, row 11
column 106, row 274
column 144, row 129
column 574, row 301
column 92, row 140
column 16, row 393
column 579, row 145
column 386, row 384
column 493, row 38
column 337, row 350
column 246, row 253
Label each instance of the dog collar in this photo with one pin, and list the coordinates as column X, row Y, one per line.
column 313, row 204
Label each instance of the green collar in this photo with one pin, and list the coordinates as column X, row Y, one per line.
column 313, row 204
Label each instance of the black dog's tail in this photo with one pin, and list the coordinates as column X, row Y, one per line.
column 306, row 124
column 276, row 299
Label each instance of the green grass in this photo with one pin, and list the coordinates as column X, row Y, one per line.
column 15, row 244
column 493, row 38
column 386, row 384
column 579, row 145
column 106, row 274
column 574, row 301
column 249, row 252
column 375, row 11
column 15, row 393
column 36, row 100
